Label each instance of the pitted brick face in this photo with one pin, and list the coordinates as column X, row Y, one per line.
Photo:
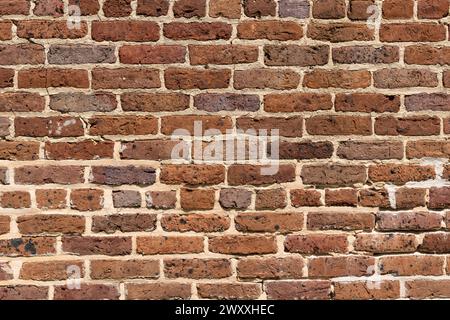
column 128, row 143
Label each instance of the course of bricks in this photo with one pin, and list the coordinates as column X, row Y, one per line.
column 358, row 209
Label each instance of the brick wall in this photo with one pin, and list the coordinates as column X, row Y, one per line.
column 357, row 208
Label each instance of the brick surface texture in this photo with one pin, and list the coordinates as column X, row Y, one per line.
column 359, row 207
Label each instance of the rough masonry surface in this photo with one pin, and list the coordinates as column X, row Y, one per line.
column 359, row 207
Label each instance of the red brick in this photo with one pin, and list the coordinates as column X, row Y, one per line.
column 293, row 55
column 346, row 79
column 270, row 268
column 359, row 150
column 169, row 245
column 269, row 222
column 23, row 292
column 86, row 199
column 367, row 290
column 147, row 54
column 409, row 198
column 298, row 290
column 288, row 127
column 225, row 8
column 49, row 174
column 410, row 126
column 436, row 243
column 439, row 198
column 49, row 126
column 270, row 199
column 360, row 9
column 14, row 7
column 266, row 78
column 22, row 54
column 5, row 30
column 297, row 102
column 122, row 125
column 125, row 78
column 426, row 55
column 428, row 101
column 253, row 175
column 215, row 102
column 48, row 29
column 374, row 198
column 5, row 222
column 55, row 224
column 111, row 175
column 316, row 244
column 432, row 9
column 6, row 78
column 270, row 30
column 187, row 123
column 83, row 150
column 197, row 199
column 53, row 78
column 117, row 8
column 87, row 292
column 192, row 174
column 404, row 78
column 53, row 8
column 161, row 199
column 410, row 32
column 427, row 289
column 259, row 8
column 341, row 221
column 90, row 245
column 408, row 221
column 201, row 31
column 427, row 148
column 12, row 150
column 411, row 265
column 305, row 150
column 305, row 198
column 243, row 245
column 178, row 78
column 328, row 9
column 158, row 291
column 154, row 102
column 222, row 54
column 80, row 102
column 49, row 199
column 341, row 197
column 124, row 223
column 189, row 8
column 333, row 175
column 136, row 31
column 49, row 270
column 398, row 9
column 197, row 268
column 367, row 102
column 28, row 246
column 365, row 54
column 124, row 269
column 15, row 199
column 400, row 174
column 6, row 273
column 229, row 291
column 235, row 198
column 195, row 222
column 155, row 8
column 87, row 7
column 345, row 266
column 386, row 243
column 339, row 125
column 340, row 32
